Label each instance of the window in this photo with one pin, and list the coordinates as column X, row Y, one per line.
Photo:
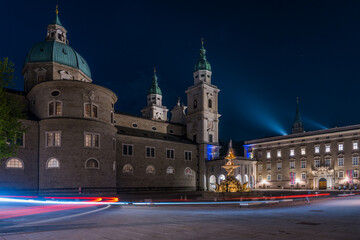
column 112, row 117
column 55, row 93
column 355, row 145
column 92, row 140
column 92, row 163
column 341, row 174
column 340, row 161
column 355, row 173
column 269, row 177
column 21, row 139
column 260, row 167
column 55, row 108
column 170, row 153
column 195, row 104
column 279, row 153
column 259, row 154
column 279, row 166
column 303, row 176
column 150, row 169
column 53, row 163
column 170, row 170
column 150, row 152
column 292, row 152
column 303, row 150
column 188, row 171
column 153, row 128
column 327, row 148
column 303, row 164
column 260, row 178
column 268, row 166
column 317, row 163
column 279, row 177
column 128, row 168
column 90, row 110
column 134, row 125
column 268, row 154
column 53, row 139
column 292, row 165
column 210, row 138
column 187, row 155
column 14, row 163
column 341, row 147
column 355, row 160
column 127, row 149
column 327, row 162
column 209, row 103
column 317, row 149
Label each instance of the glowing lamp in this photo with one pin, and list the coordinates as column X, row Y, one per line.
column 297, row 180
column 263, row 182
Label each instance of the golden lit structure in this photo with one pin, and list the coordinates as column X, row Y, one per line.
column 231, row 184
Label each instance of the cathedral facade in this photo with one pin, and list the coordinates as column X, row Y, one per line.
column 76, row 140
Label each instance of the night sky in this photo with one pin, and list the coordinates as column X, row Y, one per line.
column 263, row 55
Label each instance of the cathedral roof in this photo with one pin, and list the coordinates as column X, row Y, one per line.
column 54, row 51
column 202, row 63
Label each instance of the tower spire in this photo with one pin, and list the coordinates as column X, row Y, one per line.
column 297, row 125
column 57, row 20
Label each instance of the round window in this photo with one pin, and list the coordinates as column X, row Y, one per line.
column 153, row 128
column 55, row 93
column 134, row 125
column 171, row 131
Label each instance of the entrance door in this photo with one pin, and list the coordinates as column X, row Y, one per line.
column 322, row 183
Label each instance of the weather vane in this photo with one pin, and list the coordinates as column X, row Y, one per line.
column 57, row 9
column 154, row 69
column 202, row 41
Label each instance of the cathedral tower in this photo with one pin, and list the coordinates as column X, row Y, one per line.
column 297, row 125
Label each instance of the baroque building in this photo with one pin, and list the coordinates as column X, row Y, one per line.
column 75, row 138
column 322, row 159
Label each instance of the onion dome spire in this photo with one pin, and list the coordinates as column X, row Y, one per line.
column 57, row 20
column 154, row 89
column 202, row 63
column 297, row 125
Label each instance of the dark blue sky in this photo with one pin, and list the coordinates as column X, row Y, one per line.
column 263, row 54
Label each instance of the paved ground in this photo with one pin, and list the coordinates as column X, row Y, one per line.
column 325, row 219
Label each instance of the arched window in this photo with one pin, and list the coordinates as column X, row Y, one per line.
column 92, row 163
column 150, row 169
column 14, row 163
column 188, row 171
column 238, row 177
column 53, row 163
column 209, row 103
column 195, row 104
column 170, row 170
column 128, row 168
column 212, row 182
column 246, row 179
column 221, row 178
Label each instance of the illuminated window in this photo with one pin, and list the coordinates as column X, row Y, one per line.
column 341, row 174
column 317, row 163
column 128, row 168
column 327, row 148
column 90, row 110
column 187, row 155
column 188, row 171
column 303, row 151
column 92, row 140
column 292, row 165
column 92, row 164
column 150, row 152
column 355, row 160
column 317, row 149
column 170, row 170
column 303, row 164
column 279, row 177
column 14, row 163
column 269, row 177
column 53, row 139
column 170, row 154
column 341, row 147
column 279, row 166
column 327, row 162
column 279, row 153
column 355, row 145
column 355, row 173
column 53, row 163
column 55, row 108
column 268, row 154
column 260, row 178
column 303, row 176
column 292, row 152
column 340, row 161
column 268, row 166
column 127, row 149
column 150, row 169
column 260, row 167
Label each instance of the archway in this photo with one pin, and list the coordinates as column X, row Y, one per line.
column 212, row 182
column 322, row 183
column 221, row 178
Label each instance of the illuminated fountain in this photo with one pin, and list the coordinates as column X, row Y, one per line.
column 231, row 184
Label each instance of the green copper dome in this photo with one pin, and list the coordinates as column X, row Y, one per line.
column 53, row 51
column 57, row 20
column 154, row 89
column 202, row 63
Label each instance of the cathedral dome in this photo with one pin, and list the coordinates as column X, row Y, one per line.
column 54, row 51
column 202, row 63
